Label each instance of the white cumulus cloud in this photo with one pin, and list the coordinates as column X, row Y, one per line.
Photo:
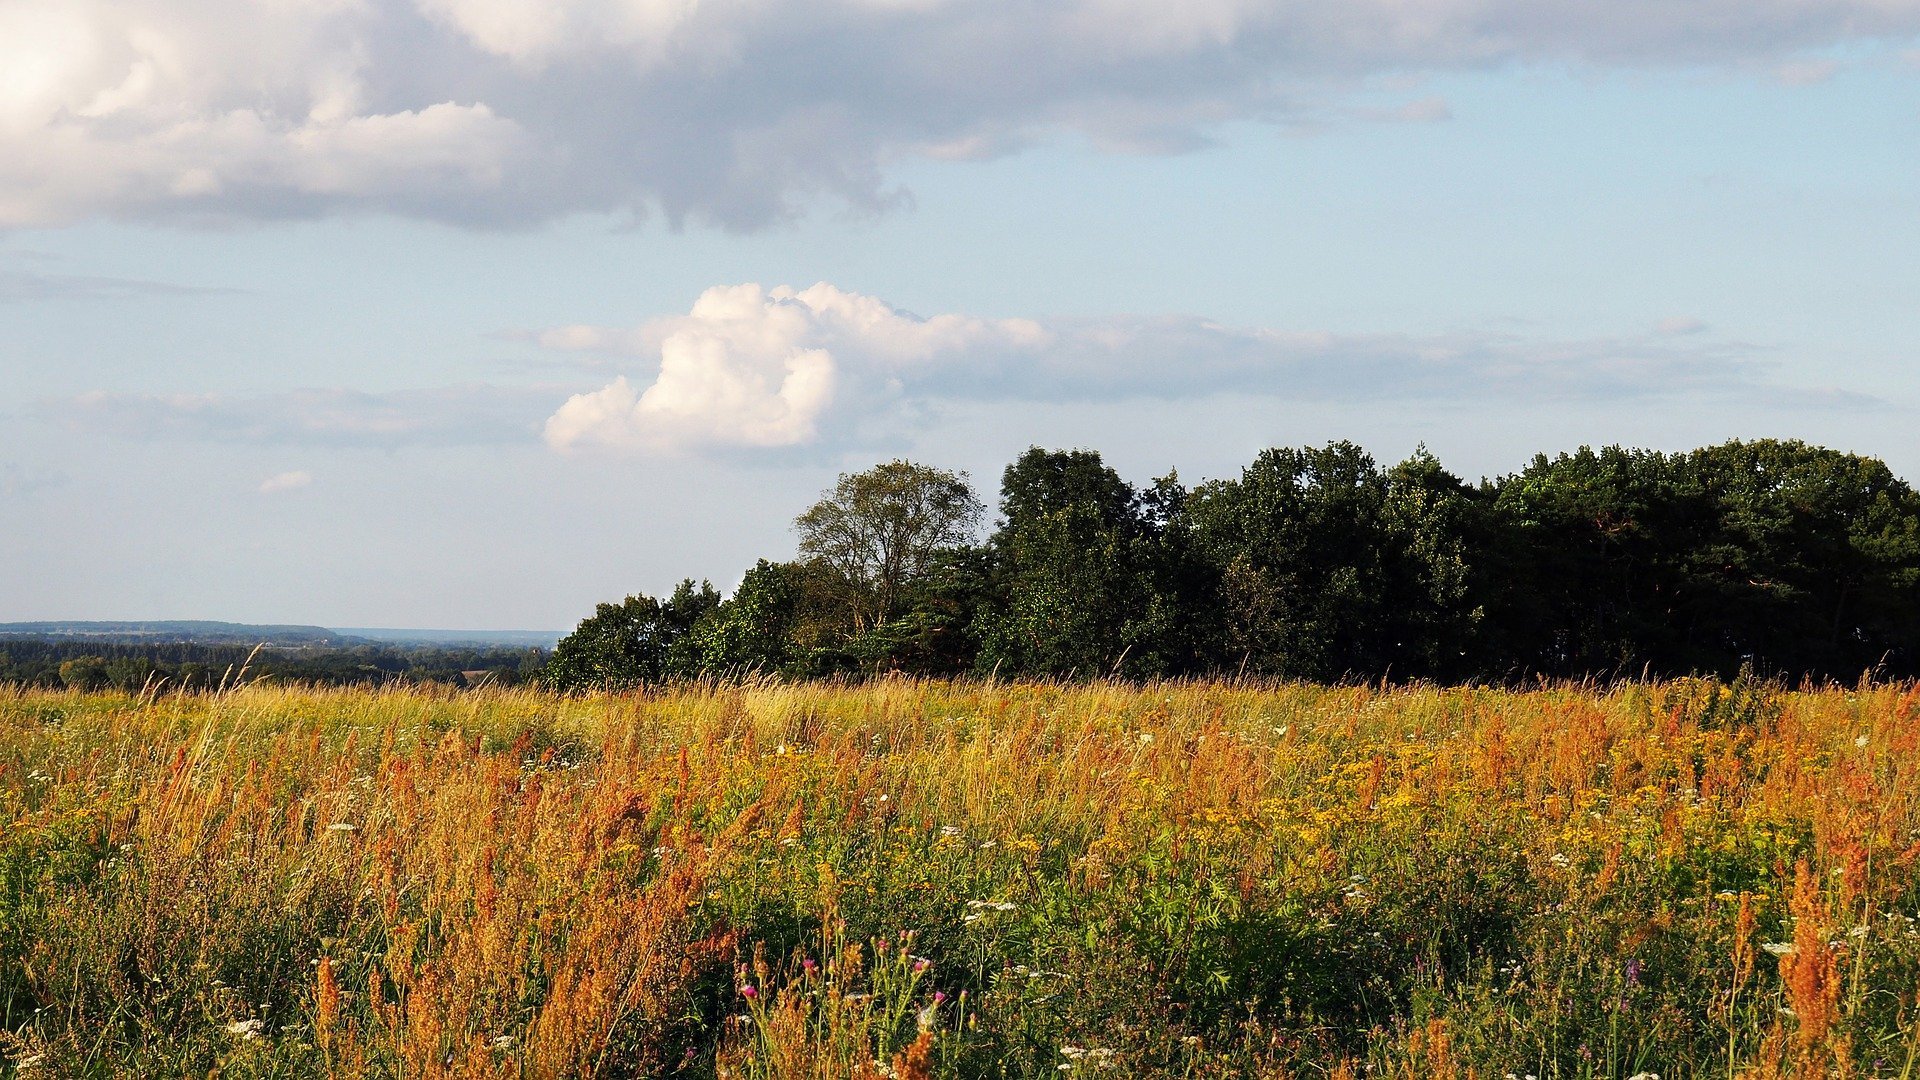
column 739, row 112
column 757, row 367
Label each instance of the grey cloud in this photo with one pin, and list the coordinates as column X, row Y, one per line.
column 18, row 480
column 1178, row 357
column 22, row 286
column 780, row 368
column 504, row 112
column 445, row 416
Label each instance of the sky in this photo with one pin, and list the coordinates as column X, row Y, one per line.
column 475, row 313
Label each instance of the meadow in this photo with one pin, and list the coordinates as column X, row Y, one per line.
column 962, row 879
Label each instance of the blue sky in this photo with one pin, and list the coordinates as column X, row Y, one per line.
column 465, row 313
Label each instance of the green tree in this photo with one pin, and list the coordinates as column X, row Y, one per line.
column 1814, row 562
column 876, row 533
column 755, row 629
column 1072, row 591
column 640, row 640
column 1595, row 551
column 84, row 673
column 1329, row 566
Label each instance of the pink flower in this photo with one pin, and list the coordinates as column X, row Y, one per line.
column 749, row 992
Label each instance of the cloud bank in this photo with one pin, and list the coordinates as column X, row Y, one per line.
column 756, row 370
column 752, row 368
column 738, row 112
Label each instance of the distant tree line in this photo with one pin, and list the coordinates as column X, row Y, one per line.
column 1316, row 563
column 129, row 666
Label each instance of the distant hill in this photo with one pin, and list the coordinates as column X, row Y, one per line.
column 196, row 631
column 205, row 632
column 532, row 639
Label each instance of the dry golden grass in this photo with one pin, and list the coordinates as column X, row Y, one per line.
column 919, row 879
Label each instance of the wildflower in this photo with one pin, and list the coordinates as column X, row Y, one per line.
column 1861, row 742
column 1778, row 948
column 921, row 964
column 342, row 826
column 502, row 1042
column 1146, row 737
column 29, row 1062
column 749, row 992
column 1560, row 860
column 246, row 1029
column 949, row 830
column 1644, row 1076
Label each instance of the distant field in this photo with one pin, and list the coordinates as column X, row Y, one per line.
column 925, row 879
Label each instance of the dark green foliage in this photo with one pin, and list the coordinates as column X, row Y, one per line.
column 1778, row 555
column 1781, row 558
column 1330, row 567
column 754, row 629
column 1071, row 589
column 1815, row 555
column 639, row 640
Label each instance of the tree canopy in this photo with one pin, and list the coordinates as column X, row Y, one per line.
column 1317, row 563
column 877, row 532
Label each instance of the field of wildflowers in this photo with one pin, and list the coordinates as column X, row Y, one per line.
column 918, row 879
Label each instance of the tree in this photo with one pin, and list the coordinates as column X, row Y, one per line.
column 1072, row 583
column 1813, row 565
column 640, row 640
column 754, row 630
column 84, row 673
column 877, row 532
column 1329, row 566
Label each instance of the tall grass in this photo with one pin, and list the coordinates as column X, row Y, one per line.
column 918, row 879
